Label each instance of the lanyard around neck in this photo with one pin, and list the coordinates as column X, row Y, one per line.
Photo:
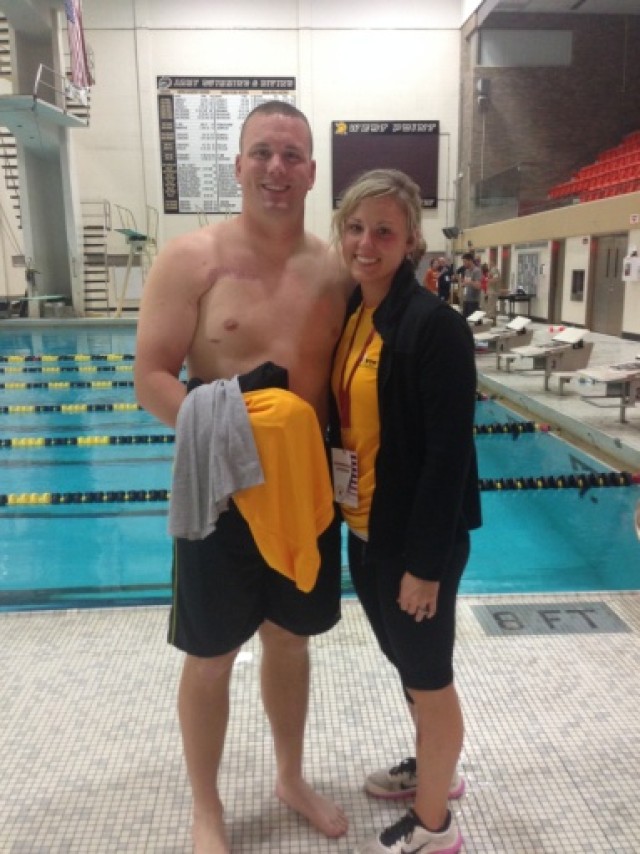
column 344, row 386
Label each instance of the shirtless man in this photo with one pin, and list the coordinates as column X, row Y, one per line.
column 227, row 298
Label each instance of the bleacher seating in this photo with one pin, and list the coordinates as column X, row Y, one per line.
column 616, row 171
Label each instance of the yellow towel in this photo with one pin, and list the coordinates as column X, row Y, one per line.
column 288, row 512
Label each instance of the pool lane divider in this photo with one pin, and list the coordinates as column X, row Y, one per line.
column 167, row 438
column 583, row 482
column 66, row 369
column 57, row 386
column 514, row 428
column 67, row 408
column 70, row 357
column 109, row 497
column 66, row 441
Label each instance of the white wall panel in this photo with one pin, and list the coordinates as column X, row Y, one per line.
column 345, row 65
column 577, row 257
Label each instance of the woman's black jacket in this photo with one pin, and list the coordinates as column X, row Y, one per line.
column 426, row 486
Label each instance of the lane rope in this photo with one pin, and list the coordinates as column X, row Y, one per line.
column 67, row 408
column 68, row 441
column 109, row 497
column 71, row 357
column 59, row 386
column 515, row 428
column 165, row 438
column 65, row 369
column 583, row 482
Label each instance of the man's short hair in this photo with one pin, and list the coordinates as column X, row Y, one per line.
column 278, row 108
column 468, row 256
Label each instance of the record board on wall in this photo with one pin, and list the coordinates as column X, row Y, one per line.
column 200, row 121
column 411, row 146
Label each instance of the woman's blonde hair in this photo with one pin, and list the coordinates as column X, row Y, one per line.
column 378, row 183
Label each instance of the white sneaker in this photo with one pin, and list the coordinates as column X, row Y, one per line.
column 401, row 781
column 409, row 836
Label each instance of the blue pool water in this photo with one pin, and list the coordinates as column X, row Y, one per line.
column 100, row 554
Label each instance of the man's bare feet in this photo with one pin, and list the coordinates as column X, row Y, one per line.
column 322, row 813
column 209, row 835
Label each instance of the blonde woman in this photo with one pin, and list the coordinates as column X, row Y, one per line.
column 404, row 383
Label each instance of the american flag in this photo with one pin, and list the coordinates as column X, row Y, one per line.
column 80, row 74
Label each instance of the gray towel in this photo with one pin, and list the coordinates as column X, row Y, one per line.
column 215, row 456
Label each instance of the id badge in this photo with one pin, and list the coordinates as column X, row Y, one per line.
column 345, row 476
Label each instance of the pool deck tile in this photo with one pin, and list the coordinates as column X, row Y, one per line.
column 92, row 762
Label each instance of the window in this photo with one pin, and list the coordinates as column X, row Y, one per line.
column 577, row 285
column 524, row 48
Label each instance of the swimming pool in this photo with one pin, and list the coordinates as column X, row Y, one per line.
column 70, row 428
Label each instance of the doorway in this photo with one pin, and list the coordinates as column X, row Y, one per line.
column 555, row 281
column 608, row 288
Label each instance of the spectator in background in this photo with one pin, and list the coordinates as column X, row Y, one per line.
column 431, row 276
column 494, row 286
column 484, row 269
column 471, row 281
column 445, row 279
